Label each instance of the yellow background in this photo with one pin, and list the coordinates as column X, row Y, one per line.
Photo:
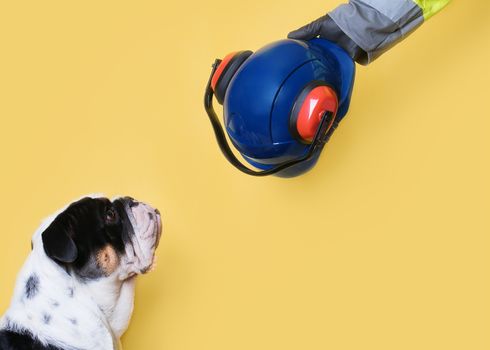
column 384, row 245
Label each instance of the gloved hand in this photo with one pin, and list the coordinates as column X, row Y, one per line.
column 326, row 28
column 319, row 27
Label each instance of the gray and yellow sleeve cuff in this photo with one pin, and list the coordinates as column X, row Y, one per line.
column 368, row 28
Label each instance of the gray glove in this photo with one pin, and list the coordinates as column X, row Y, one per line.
column 326, row 28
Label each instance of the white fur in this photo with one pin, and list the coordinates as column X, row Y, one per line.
column 88, row 315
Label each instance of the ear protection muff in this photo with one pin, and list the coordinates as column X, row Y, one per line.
column 225, row 72
column 316, row 101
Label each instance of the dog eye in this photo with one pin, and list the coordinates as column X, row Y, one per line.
column 110, row 216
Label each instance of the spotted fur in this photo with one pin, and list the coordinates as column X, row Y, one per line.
column 32, row 286
column 76, row 288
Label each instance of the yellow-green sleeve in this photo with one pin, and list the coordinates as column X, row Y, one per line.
column 431, row 7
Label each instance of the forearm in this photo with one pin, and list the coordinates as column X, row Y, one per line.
column 368, row 28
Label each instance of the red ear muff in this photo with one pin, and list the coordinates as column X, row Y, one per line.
column 225, row 72
column 220, row 69
column 310, row 107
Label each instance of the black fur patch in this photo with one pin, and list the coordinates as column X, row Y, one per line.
column 77, row 235
column 32, row 286
column 10, row 340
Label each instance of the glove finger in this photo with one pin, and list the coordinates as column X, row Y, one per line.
column 308, row 31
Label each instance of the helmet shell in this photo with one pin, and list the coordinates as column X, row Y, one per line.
column 261, row 95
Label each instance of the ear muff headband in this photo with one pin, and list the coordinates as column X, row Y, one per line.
column 225, row 72
column 319, row 140
column 313, row 102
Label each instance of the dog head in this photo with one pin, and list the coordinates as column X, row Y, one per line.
column 97, row 237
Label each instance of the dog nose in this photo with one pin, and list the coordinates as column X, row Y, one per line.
column 157, row 211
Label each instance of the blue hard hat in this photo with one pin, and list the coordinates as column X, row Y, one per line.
column 281, row 103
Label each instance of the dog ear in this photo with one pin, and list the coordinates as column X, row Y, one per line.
column 57, row 241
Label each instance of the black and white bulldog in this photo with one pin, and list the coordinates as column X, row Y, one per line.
column 76, row 289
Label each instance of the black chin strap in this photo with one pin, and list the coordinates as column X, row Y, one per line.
column 317, row 144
